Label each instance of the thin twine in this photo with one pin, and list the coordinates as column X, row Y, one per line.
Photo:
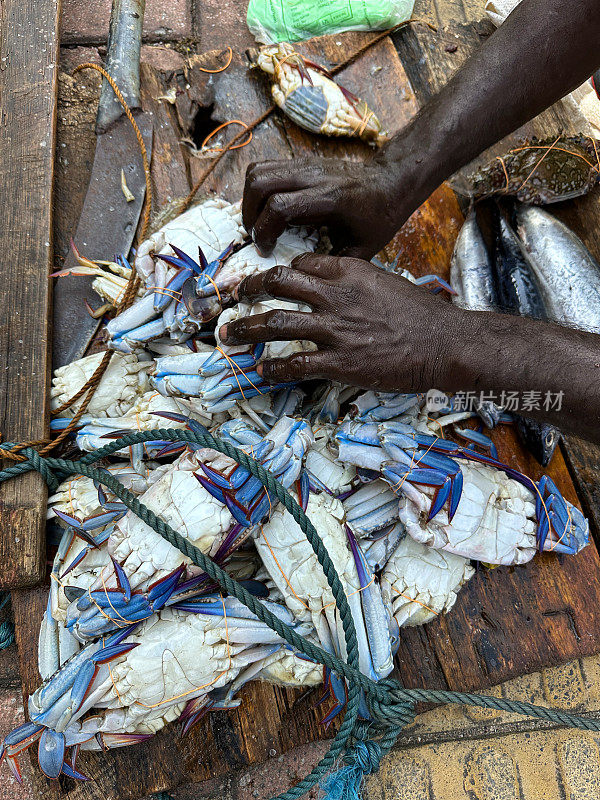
column 220, row 128
column 221, row 69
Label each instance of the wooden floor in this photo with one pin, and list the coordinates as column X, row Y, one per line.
column 507, row 621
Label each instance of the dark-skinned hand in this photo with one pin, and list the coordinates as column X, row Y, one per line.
column 359, row 202
column 372, row 328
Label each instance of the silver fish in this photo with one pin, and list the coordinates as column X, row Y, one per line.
column 567, row 274
column 471, row 269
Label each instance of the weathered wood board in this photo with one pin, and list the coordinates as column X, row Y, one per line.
column 28, row 75
column 506, row 621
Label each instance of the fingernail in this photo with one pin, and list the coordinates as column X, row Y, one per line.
column 259, row 370
column 223, row 332
column 262, row 253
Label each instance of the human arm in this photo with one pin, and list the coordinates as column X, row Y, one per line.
column 544, row 50
column 376, row 330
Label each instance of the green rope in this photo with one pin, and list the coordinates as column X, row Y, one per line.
column 7, row 629
column 391, row 705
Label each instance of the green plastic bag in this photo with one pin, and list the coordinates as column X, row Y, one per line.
column 273, row 21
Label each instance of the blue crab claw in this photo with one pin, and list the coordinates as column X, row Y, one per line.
column 82, row 528
column 303, row 489
column 425, row 477
column 455, row 494
column 51, row 753
column 122, row 579
column 15, row 742
column 165, row 296
column 74, row 593
column 77, row 560
column 160, row 591
column 435, row 284
column 439, row 499
column 248, row 491
column 70, row 771
column 335, row 687
column 200, row 267
column 210, row 270
column 210, row 487
column 182, row 264
column 171, row 449
column 193, row 712
column 216, row 477
column 479, row 439
column 190, row 423
column 87, row 672
column 244, row 361
column 239, row 514
column 202, row 309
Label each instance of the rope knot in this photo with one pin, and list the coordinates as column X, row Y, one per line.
column 389, row 704
column 30, row 460
column 366, row 755
column 40, row 464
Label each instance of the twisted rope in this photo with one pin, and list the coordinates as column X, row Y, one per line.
column 391, row 705
column 7, row 629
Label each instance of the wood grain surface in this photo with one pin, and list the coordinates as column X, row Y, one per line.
column 507, row 621
column 28, row 74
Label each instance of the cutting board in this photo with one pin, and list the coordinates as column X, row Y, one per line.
column 507, row 621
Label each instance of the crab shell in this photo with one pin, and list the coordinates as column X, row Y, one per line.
column 539, row 171
column 183, row 503
column 308, row 96
column 294, row 568
column 125, row 380
column 211, row 225
column 419, row 583
column 495, row 521
column 78, row 495
column 171, row 658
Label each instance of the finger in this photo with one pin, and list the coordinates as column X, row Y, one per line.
column 364, row 253
column 318, row 265
column 272, row 177
column 286, row 284
column 298, row 367
column 279, row 210
column 275, row 326
column 308, row 206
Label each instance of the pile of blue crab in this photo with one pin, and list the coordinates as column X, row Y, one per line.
column 404, row 499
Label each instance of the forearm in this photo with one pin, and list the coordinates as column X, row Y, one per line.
column 553, row 367
column 545, row 49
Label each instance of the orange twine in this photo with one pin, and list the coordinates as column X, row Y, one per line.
column 221, row 69
column 220, row 128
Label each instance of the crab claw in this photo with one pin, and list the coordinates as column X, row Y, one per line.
column 51, row 753
column 16, row 741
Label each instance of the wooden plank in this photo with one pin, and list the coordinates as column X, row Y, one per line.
column 28, row 60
